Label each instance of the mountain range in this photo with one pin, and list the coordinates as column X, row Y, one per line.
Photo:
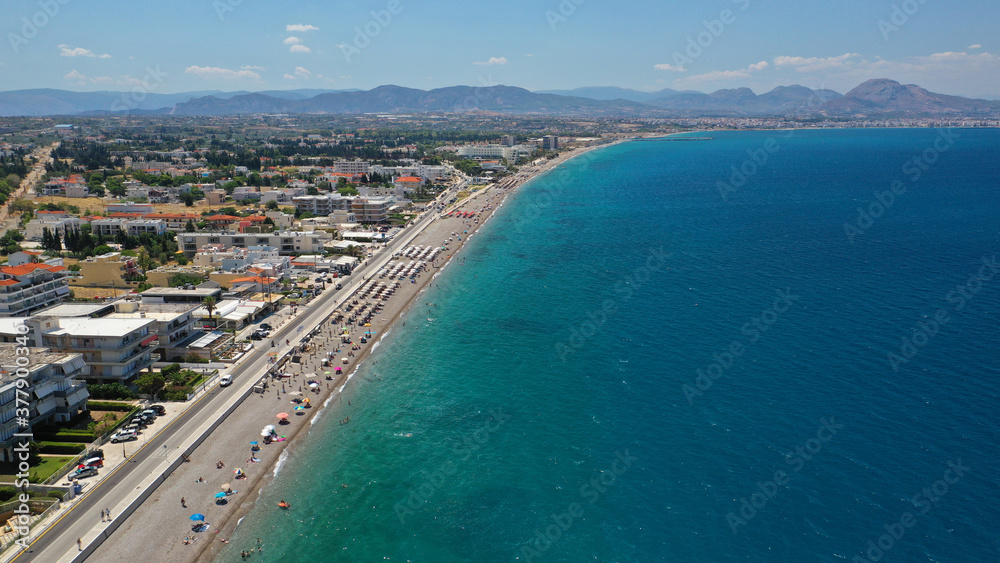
column 874, row 98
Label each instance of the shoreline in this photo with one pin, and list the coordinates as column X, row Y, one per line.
column 208, row 553
column 141, row 527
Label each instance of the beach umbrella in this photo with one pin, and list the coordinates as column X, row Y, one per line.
column 220, row 495
column 300, row 407
column 198, row 517
column 282, row 415
column 327, row 373
column 254, row 443
column 345, row 360
column 312, row 385
column 269, row 428
column 226, row 488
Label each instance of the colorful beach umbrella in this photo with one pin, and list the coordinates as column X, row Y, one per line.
column 282, row 415
column 220, row 495
column 198, row 517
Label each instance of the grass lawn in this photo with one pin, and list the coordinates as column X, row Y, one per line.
column 41, row 472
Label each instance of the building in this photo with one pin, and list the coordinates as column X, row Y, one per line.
column 108, row 270
column 281, row 196
column 550, row 143
column 34, row 229
column 31, row 287
column 215, row 197
column 180, row 295
column 507, row 140
column 366, row 210
column 407, row 184
column 129, row 207
column 56, row 392
column 175, row 221
column 288, row 243
column 174, row 324
column 115, row 350
column 351, row 167
column 163, row 276
column 245, row 193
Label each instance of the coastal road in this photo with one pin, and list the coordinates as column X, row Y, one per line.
column 58, row 542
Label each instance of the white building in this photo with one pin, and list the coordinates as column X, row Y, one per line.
column 33, row 229
column 287, row 242
column 351, row 167
column 30, row 287
column 57, row 392
column 365, row 210
column 116, row 350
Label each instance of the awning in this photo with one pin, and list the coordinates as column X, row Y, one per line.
column 148, row 339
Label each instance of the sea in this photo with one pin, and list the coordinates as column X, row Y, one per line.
column 712, row 347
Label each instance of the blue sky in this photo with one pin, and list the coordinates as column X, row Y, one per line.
column 183, row 45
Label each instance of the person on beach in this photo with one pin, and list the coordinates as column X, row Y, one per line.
column 183, row 504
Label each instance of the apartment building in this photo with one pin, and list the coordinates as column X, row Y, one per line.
column 287, row 242
column 30, row 287
column 56, row 392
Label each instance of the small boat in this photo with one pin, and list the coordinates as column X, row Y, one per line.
column 284, row 504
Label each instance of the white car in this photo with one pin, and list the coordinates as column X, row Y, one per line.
column 225, row 381
column 123, row 436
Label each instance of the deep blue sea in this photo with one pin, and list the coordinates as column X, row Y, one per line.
column 765, row 346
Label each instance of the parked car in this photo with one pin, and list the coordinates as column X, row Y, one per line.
column 158, row 409
column 95, row 453
column 258, row 335
column 123, row 436
column 83, row 473
column 92, row 462
column 265, row 326
column 149, row 413
column 225, row 381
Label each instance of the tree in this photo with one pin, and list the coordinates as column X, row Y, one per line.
column 145, row 262
column 150, row 383
column 209, row 304
column 22, row 205
column 188, row 199
column 272, row 205
column 189, row 228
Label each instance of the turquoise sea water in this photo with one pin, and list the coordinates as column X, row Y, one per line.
column 625, row 356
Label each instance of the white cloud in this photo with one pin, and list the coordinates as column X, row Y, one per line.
column 292, row 40
column 721, row 75
column 221, row 73
column 301, row 27
column 670, row 67
column 813, row 64
column 300, row 49
column 289, row 76
column 974, row 46
column 75, row 77
column 494, row 61
column 67, row 51
column 102, row 80
column 302, row 72
column 251, row 67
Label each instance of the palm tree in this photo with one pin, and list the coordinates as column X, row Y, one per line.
column 209, row 304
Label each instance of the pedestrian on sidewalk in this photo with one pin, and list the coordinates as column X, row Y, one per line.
column 79, row 544
column 108, row 510
column 102, row 515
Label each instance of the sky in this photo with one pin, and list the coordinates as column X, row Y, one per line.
column 169, row 46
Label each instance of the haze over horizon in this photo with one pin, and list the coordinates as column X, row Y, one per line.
column 230, row 45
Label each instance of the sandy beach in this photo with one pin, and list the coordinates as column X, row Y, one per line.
column 162, row 524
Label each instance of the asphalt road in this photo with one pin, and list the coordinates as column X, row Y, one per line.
column 58, row 542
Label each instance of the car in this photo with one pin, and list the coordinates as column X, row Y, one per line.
column 83, row 473
column 158, row 409
column 149, row 413
column 225, row 381
column 93, row 462
column 95, row 453
column 265, row 326
column 123, row 436
column 340, row 286
column 138, row 421
column 257, row 335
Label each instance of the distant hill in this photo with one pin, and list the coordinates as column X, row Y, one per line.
column 874, row 98
column 398, row 99
column 612, row 93
column 884, row 96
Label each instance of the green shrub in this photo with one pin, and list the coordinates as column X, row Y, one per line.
column 176, row 394
column 7, row 493
column 110, row 391
column 61, row 448
column 55, row 494
column 107, row 406
column 172, row 368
